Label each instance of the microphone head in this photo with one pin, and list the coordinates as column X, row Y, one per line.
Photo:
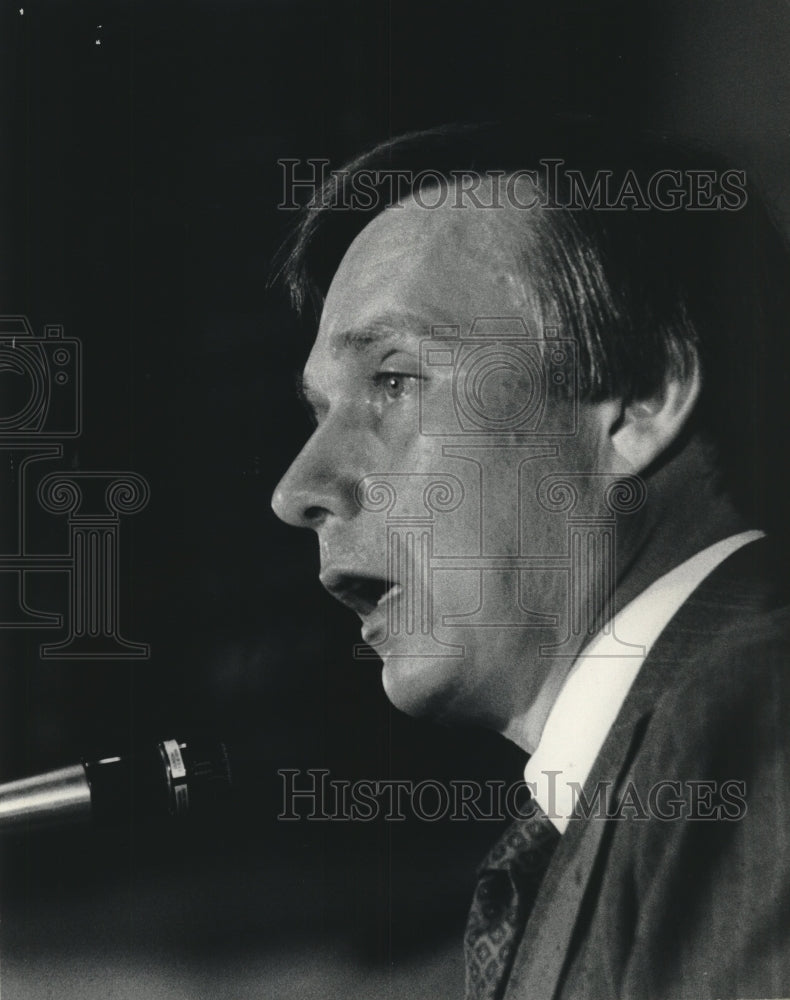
column 174, row 778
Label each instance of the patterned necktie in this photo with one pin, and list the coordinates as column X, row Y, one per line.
column 508, row 882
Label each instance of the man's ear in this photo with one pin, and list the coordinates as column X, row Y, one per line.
column 646, row 427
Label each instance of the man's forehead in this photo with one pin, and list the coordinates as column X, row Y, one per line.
column 450, row 228
column 408, row 232
column 431, row 264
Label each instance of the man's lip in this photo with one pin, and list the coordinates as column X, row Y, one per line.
column 364, row 593
column 374, row 625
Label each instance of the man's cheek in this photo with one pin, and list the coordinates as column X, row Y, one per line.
column 456, row 595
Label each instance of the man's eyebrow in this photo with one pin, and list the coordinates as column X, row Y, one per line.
column 386, row 325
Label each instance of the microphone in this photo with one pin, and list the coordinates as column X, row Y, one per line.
column 174, row 778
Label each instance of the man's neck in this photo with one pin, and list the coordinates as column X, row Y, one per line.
column 685, row 514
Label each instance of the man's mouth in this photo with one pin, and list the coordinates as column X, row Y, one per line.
column 361, row 592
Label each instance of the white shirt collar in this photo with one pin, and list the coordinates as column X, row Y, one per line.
column 595, row 689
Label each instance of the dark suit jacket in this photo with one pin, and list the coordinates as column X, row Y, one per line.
column 650, row 908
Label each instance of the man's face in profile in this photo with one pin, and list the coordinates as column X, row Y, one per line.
column 410, row 271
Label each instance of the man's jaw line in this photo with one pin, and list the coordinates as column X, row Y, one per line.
column 368, row 596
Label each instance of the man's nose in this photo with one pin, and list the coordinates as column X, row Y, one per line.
column 319, row 484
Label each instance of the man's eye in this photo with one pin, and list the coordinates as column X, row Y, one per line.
column 395, row 384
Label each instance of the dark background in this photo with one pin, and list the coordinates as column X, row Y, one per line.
column 138, row 190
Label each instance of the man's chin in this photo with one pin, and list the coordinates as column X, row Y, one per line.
column 422, row 686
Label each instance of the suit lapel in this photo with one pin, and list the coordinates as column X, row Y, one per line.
column 544, row 948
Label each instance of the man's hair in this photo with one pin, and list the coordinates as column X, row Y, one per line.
column 641, row 286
